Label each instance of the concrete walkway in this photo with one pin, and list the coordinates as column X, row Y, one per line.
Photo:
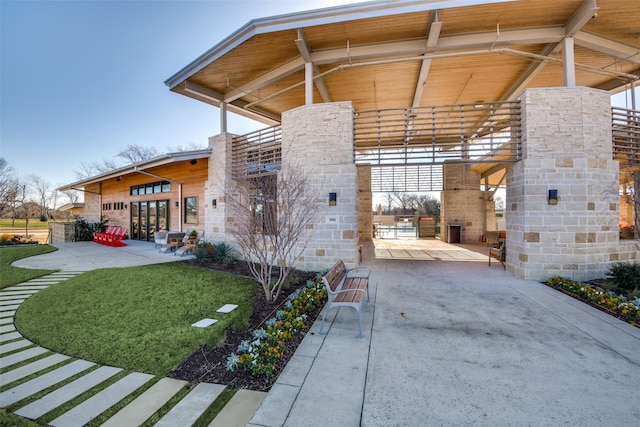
column 452, row 343
column 460, row 343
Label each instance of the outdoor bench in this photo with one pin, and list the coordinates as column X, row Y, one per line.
column 346, row 288
column 499, row 253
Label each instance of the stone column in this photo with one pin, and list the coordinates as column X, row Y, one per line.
column 566, row 147
column 365, row 200
column 220, row 182
column 461, row 203
column 319, row 138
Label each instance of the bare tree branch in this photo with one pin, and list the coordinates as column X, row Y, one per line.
column 271, row 222
column 137, row 153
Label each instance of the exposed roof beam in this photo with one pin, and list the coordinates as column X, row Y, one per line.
column 305, row 52
column 399, row 48
column 587, row 11
column 310, row 18
column 608, row 46
column 445, row 43
column 237, row 106
column 617, row 83
column 579, row 19
column 518, row 86
column 204, row 92
column 432, row 40
column 295, row 64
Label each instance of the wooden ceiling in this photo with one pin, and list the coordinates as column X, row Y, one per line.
column 407, row 53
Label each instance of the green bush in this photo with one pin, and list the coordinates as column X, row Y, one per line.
column 224, row 253
column 625, row 275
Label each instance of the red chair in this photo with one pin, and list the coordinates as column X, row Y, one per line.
column 99, row 235
column 116, row 238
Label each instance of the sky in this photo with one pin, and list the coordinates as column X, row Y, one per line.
column 82, row 80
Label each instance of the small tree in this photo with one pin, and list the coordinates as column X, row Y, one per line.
column 271, row 221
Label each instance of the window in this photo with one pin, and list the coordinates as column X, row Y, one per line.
column 263, row 204
column 151, row 188
column 191, row 210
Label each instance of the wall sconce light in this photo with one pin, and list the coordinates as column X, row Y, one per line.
column 193, row 161
column 177, row 204
column 333, row 199
column 214, row 203
column 553, row 197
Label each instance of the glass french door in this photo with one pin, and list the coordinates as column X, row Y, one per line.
column 148, row 217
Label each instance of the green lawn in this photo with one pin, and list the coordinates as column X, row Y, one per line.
column 19, row 224
column 11, row 275
column 136, row 318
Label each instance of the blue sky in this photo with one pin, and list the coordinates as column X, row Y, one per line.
column 82, row 80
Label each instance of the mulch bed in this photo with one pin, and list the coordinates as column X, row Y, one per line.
column 208, row 364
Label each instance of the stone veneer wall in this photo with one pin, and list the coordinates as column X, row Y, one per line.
column 219, row 183
column 92, row 203
column 62, row 232
column 567, row 147
column 462, row 203
column 365, row 200
column 319, row 138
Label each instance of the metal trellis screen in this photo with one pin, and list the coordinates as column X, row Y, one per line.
column 465, row 133
column 626, row 136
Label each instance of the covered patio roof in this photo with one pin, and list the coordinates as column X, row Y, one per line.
column 407, row 53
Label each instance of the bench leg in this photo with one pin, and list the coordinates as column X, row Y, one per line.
column 348, row 306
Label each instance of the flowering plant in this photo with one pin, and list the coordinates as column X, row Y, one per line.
column 266, row 350
column 627, row 309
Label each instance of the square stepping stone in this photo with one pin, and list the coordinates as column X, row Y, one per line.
column 227, row 308
column 204, row 323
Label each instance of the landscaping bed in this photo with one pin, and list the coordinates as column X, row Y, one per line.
column 210, row 364
column 604, row 295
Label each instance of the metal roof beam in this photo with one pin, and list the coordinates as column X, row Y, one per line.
column 396, row 49
column 237, row 106
column 305, row 52
column 432, row 40
column 445, row 43
column 608, row 46
column 573, row 26
column 296, row 64
column 586, row 12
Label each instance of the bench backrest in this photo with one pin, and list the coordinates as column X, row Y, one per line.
column 335, row 276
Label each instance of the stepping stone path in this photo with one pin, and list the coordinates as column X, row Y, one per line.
column 45, row 371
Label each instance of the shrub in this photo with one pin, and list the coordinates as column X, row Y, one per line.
column 617, row 303
column 15, row 239
column 625, row 275
column 263, row 355
column 203, row 250
column 44, row 218
column 224, row 253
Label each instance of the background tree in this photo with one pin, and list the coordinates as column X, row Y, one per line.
column 388, row 201
column 272, row 223
column 87, row 170
column 42, row 193
column 9, row 187
column 137, row 153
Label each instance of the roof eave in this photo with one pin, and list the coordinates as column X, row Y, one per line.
column 178, row 156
